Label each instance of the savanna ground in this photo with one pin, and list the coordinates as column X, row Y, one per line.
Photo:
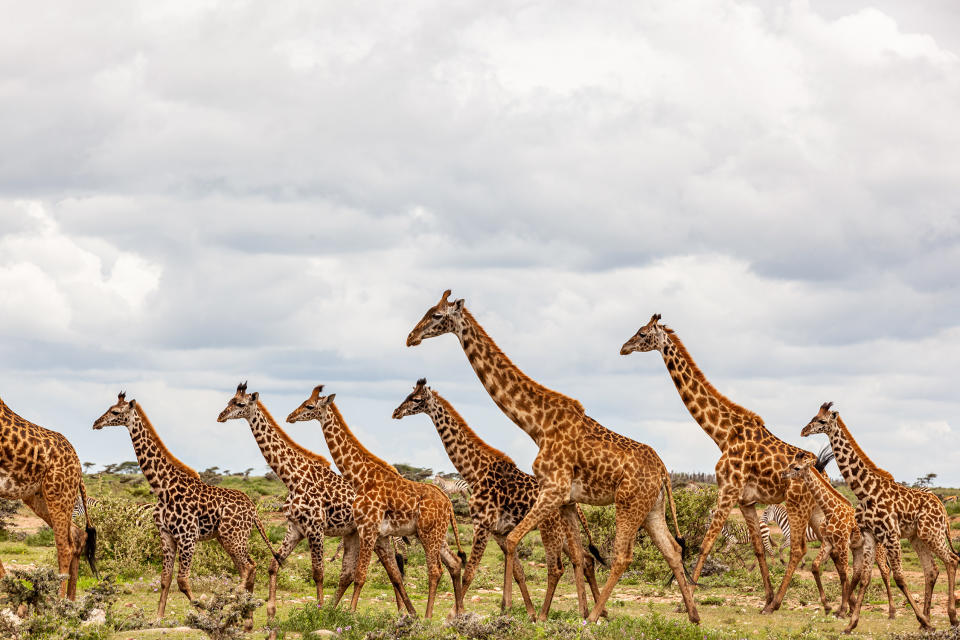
column 643, row 604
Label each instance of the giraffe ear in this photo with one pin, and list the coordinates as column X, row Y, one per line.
column 329, row 399
column 254, row 396
column 835, row 414
column 132, row 404
column 458, row 304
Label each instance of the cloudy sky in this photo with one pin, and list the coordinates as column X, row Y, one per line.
column 198, row 193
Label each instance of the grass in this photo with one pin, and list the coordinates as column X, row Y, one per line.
column 728, row 603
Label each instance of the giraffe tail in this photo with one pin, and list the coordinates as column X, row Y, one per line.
column 676, row 527
column 592, row 548
column 263, row 534
column 456, row 536
column 90, row 546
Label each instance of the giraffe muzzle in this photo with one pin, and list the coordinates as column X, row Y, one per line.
column 413, row 340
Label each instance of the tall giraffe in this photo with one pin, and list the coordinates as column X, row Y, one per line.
column 188, row 510
column 579, row 459
column 319, row 502
column 891, row 511
column 40, row 467
column 752, row 460
column 387, row 503
column 501, row 495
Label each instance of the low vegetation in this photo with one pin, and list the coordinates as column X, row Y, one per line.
column 644, row 605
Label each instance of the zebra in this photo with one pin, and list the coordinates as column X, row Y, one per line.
column 401, row 544
column 777, row 513
column 451, row 486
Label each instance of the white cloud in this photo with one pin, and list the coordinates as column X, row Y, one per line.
column 198, row 193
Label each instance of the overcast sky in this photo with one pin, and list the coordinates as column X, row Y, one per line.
column 198, row 193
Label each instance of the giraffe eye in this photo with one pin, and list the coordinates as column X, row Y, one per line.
column 437, row 316
column 115, row 412
column 821, row 421
column 311, row 407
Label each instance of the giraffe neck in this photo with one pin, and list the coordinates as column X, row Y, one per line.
column 861, row 474
column 160, row 471
column 281, row 457
column 823, row 492
column 523, row 400
column 702, row 400
column 355, row 462
column 469, row 454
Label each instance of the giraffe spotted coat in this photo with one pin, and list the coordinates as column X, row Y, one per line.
column 188, row 510
column 501, row 495
column 752, row 460
column 319, row 501
column 387, row 504
column 40, row 467
column 890, row 511
column 579, row 460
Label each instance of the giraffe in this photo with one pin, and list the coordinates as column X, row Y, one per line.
column 579, row 459
column 501, row 495
column 41, row 468
column 387, row 503
column 319, row 502
column 890, row 512
column 839, row 530
column 752, row 460
column 188, row 510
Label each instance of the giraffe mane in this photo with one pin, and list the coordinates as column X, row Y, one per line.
column 469, row 433
column 550, row 393
column 867, row 462
column 287, row 440
column 823, row 479
column 700, row 377
column 152, row 433
column 366, row 452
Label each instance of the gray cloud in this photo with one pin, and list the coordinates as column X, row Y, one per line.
column 201, row 194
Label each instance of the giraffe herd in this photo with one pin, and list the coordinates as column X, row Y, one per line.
column 579, row 461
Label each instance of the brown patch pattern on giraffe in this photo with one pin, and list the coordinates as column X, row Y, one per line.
column 319, row 502
column 188, row 510
column 752, row 461
column 40, row 467
column 890, row 511
column 500, row 496
column 387, row 504
column 579, row 459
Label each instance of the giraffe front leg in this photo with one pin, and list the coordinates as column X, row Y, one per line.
column 388, row 559
column 884, row 568
column 815, row 570
column 868, row 552
column 799, row 507
column 930, row 572
column 726, row 499
column 753, row 526
column 520, row 578
column 169, row 549
column 187, row 547
column 550, row 498
column 290, row 541
column 841, row 562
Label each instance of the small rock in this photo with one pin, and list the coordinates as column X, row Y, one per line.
column 476, row 599
column 323, row 633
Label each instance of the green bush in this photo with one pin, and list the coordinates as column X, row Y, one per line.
column 127, row 538
column 42, row 538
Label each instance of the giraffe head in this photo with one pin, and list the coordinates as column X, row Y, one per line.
column 443, row 317
column 824, row 422
column 119, row 414
column 420, row 400
column 802, row 461
column 650, row 337
column 241, row 405
column 313, row 408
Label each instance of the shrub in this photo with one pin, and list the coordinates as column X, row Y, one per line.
column 8, row 509
column 222, row 615
column 127, row 538
column 42, row 538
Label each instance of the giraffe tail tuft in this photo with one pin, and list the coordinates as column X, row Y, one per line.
column 401, row 563
column 90, row 546
column 90, row 551
column 592, row 548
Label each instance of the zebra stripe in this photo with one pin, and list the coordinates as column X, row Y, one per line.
column 401, row 544
column 778, row 513
column 452, row 486
column 739, row 533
